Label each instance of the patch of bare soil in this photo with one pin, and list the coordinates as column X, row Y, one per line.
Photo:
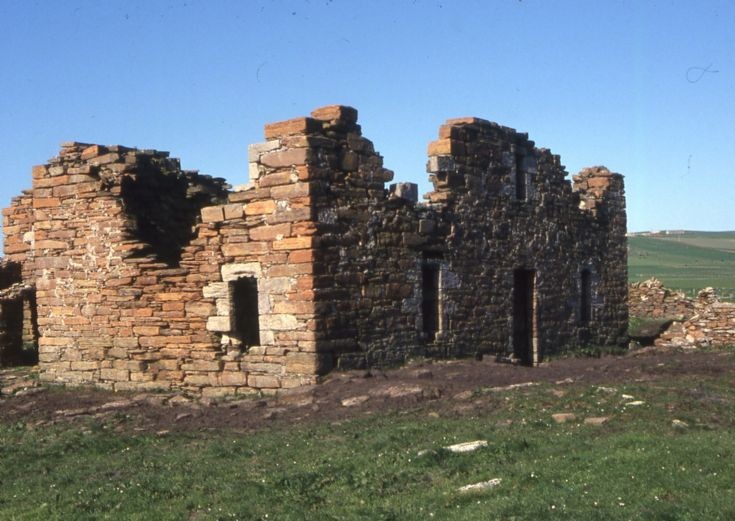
column 442, row 387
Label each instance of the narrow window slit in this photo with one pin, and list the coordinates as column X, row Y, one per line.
column 585, row 301
column 521, row 189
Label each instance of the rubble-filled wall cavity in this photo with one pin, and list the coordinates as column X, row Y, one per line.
column 147, row 276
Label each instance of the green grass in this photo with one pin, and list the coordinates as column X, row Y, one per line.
column 637, row 466
column 687, row 262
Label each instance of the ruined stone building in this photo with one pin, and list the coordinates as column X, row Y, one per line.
column 130, row 273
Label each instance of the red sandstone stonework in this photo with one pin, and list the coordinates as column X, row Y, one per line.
column 130, row 273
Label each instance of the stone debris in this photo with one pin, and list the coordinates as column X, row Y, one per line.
column 133, row 274
column 635, row 403
column 355, row 400
column 608, row 390
column 481, row 486
column 509, row 387
column 468, row 446
column 564, row 417
column 596, row 420
column 679, row 424
column 692, row 322
column 399, row 391
column 464, row 395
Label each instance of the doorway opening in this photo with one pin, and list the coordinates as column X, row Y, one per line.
column 430, row 300
column 524, row 317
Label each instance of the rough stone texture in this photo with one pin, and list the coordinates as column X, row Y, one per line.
column 700, row 321
column 150, row 277
column 651, row 299
column 711, row 324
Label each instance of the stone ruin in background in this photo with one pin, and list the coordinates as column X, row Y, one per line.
column 129, row 273
column 684, row 322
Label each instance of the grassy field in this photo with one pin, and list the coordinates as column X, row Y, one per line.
column 688, row 262
column 640, row 465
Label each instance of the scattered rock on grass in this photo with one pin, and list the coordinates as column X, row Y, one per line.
column 596, row 420
column 355, row 400
column 481, row 486
column 467, row 446
column 563, row 417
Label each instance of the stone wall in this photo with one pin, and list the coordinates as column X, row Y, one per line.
column 700, row 321
column 150, row 277
column 651, row 299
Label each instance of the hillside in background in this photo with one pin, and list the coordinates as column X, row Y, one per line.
column 688, row 261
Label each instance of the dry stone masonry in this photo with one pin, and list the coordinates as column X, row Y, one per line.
column 129, row 273
column 696, row 322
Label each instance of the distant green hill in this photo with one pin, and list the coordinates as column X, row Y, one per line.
column 688, row 261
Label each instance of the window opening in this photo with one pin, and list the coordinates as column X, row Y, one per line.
column 245, row 310
column 585, row 301
column 521, row 189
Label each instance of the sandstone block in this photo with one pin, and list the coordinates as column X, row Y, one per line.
column 268, row 233
column 280, row 322
column 118, row 375
column 236, row 378
column 219, row 324
column 295, row 243
column 84, row 365
column 46, row 202
column 286, row 158
column 341, row 113
column 291, row 191
column 260, row 207
column 446, row 147
column 278, row 178
column 231, row 272
column 255, row 150
column 212, row 214
column 233, row 211
column 216, row 290
column 291, row 126
column 242, row 249
column 263, row 381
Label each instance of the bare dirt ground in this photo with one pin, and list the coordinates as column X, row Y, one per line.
column 441, row 387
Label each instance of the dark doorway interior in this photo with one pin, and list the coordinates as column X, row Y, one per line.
column 523, row 320
column 430, row 302
column 19, row 331
column 245, row 307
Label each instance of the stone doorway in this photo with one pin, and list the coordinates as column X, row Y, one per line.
column 524, row 317
column 18, row 327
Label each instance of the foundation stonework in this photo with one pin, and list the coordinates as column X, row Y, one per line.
column 144, row 276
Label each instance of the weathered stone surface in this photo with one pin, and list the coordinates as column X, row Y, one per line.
column 145, row 276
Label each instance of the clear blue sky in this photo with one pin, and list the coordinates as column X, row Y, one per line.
column 645, row 88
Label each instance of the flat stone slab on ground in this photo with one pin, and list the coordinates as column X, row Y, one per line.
column 481, row 486
column 467, row 446
column 563, row 417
